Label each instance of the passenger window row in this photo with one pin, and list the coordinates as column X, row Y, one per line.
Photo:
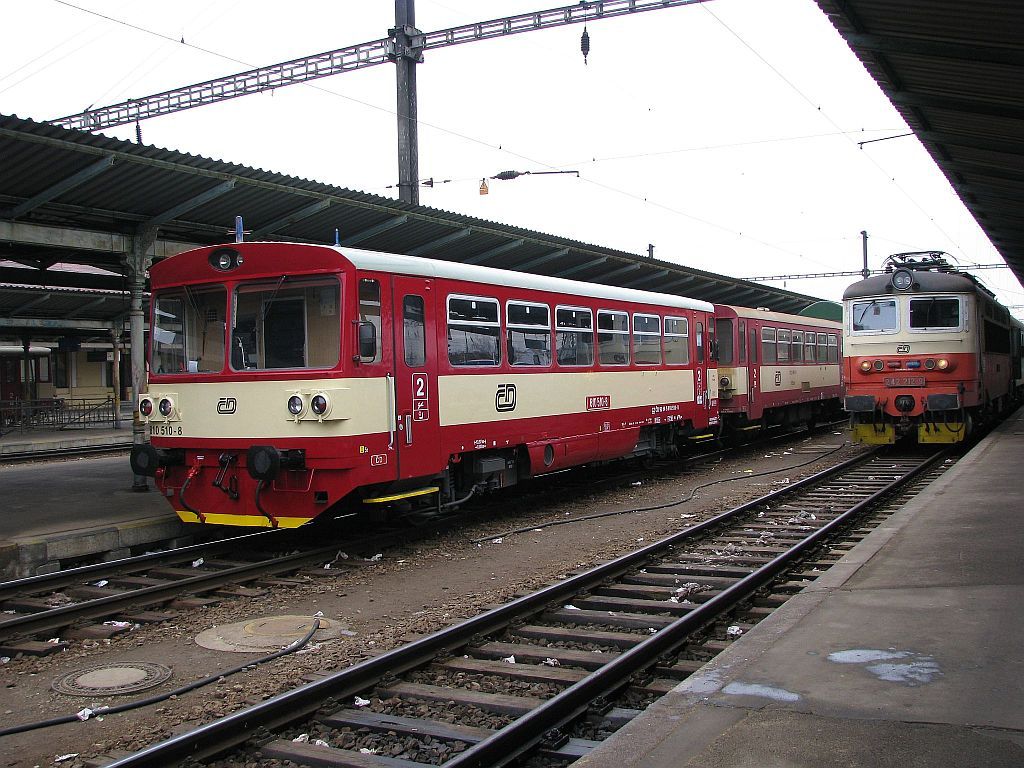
column 474, row 335
column 785, row 345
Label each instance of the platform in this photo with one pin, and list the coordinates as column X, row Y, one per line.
column 80, row 509
column 907, row 653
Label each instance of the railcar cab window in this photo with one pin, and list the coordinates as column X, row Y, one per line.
column 369, row 312
column 613, row 337
column 474, row 331
column 414, row 335
column 529, row 333
column 935, row 313
column 291, row 322
column 768, row 345
column 574, row 336
column 188, row 330
column 677, row 341
column 874, row 316
column 647, row 339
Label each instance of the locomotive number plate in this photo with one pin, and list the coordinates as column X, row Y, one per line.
column 904, row 381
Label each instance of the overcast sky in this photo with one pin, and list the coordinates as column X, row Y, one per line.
column 725, row 133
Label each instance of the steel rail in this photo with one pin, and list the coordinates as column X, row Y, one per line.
column 226, row 732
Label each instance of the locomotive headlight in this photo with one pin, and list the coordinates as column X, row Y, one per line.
column 320, row 404
column 929, row 364
column 902, row 279
column 296, row 405
column 146, row 407
column 942, row 364
column 166, row 407
column 879, row 365
column 865, row 365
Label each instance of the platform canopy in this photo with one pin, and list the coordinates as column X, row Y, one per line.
column 71, row 197
column 955, row 72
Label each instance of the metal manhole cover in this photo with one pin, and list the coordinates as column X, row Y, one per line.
column 112, row 679
column 268, row 633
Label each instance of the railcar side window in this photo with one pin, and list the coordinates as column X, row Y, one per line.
column 798, row 347
column 768, row 345
column 725, row 341
column 810, row 348
column 934, row 313
column 783, row 345
column 647, row 339
column 677, row 341
column 741, row 336
column 414, row 338
column 699, row 331
column 474, row 331
column 833, row 348
column 529, row 333
column 574, row 336
column 188, row 336
column 292, row 322
column 369, row 311
column 613, row 337
column 875, row 316
column 822, row 348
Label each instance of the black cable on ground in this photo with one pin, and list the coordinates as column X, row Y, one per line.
column 86, row 714
column 553, row 523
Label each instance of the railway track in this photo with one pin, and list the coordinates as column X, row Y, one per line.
column 553, row 672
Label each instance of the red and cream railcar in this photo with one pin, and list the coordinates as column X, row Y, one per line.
column 929, row 352
column 776, row 369
column 287, row 380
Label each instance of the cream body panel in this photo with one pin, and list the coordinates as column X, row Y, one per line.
column 358, row 407
column 783, row 378
column 738, row 377
column 470, row 399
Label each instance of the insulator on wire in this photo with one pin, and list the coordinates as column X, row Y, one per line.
column 507, row 175
column 138, row 133
column 585, row 44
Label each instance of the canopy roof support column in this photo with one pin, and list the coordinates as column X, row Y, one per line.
column 138, row 262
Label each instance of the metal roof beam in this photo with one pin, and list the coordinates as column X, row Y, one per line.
column 968, row 106
column 536, row 262
column 440, row 242
column 291, row 218
column 940, row 49
column 89, row 305
column 497, row 251
column 970, row 141
column 29, row 304
column 58, row 189
column 46, row 324
column 618, row 271
column 376, row 229
column 656, row 275
column 582, row 267
column 194, row 202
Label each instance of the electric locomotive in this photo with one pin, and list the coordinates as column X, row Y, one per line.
column 929, row 352
column 287, row 380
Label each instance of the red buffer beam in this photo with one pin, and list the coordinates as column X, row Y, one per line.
column 347, row 59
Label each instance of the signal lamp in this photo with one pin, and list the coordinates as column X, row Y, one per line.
column 879, row 365
column 146, row 407
column 929, row 364
column 295, row 405
column 320, row 404
column 166, row 407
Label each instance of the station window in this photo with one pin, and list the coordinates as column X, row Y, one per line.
column 822, row 348
column 473, row 331
column 188, row 330
column 833, row 348
column 768, row 345
column 647, row 339
column 797, row 355
column 529, row 333
column 783, row 345
column 612, row 337
column 677, row 341
column 574, row 336
column 414, row 338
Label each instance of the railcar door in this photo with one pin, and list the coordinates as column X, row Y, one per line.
column 416, row 404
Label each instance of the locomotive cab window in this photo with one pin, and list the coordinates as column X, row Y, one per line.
column 647, row 339
column 188, row 330
column 529, row 333
column 935, row 313
column 292, row 322
column 474, row 331
column 874, row 316
column 677, row 341
column 613, row 337
column 574, row 336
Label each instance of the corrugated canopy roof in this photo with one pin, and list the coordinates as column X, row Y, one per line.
column 955, row 71
column 59, row 178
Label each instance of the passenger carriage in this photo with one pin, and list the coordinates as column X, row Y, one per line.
column 290, row 380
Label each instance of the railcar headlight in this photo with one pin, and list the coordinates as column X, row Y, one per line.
column 865, row 365
column 166, row 407
column 320, row 404
column 295, row 405
column 146, row 407
column 725, row 382
column 225, row 259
